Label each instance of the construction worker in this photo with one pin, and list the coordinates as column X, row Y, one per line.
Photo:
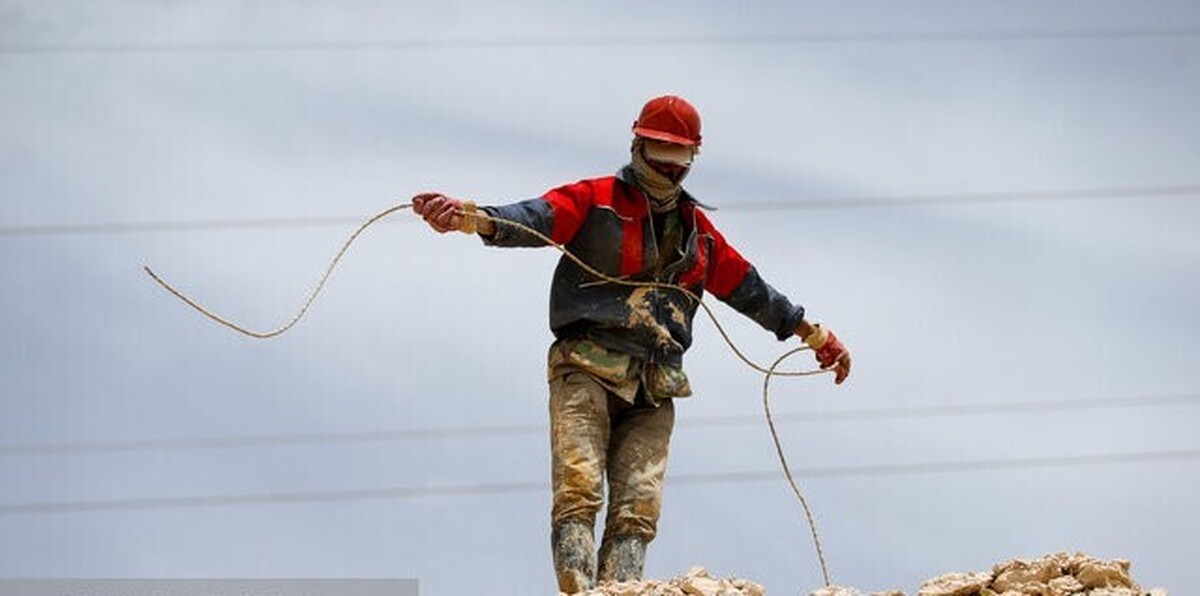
column 616, row 365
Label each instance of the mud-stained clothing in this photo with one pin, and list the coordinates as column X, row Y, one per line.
column 608, row 223
column 616, row 366
column 597, row 434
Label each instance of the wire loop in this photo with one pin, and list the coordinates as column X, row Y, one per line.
column 601, row 277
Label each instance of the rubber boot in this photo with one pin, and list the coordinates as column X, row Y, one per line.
column 574, row 558
column 622, row 558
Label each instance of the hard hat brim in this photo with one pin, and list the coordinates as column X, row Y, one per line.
column 658, row 135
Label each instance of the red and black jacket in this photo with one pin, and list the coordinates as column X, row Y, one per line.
column 607, row 222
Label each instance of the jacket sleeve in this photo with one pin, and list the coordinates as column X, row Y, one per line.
column 734, row 281
column 557, row 214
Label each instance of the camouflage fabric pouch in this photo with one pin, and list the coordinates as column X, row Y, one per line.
column 663, row 381
column 606, row 365
column 617, row 371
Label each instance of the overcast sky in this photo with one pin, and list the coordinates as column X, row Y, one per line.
column 1024, row 317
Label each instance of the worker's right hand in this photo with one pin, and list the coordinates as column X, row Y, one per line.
column 442, row 213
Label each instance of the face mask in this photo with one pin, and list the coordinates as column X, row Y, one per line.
column 662, row 189
column 669, row 153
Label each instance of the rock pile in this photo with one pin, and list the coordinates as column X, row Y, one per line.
column 696, row 582
column 1059, row 574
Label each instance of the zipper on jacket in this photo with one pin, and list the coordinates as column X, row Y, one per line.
column 654, row 271
column 690, row 244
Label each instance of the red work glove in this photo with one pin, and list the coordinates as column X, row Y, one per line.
column 442, row 213
column 830, row 352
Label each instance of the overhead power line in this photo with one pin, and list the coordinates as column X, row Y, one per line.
column 197, row 225
column 976, row 198
column 181, row 225
column 397, row 493
column 514, row 430
column 916, row 200
column 593, row 41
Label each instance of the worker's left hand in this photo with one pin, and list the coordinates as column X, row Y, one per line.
column 841, row 365
column 830, row 352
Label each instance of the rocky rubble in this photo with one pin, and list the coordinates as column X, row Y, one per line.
column 696, row 582
column 1060, row 574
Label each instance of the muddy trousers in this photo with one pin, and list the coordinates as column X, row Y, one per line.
column 595, row 435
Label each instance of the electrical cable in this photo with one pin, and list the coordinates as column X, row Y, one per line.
column 516, row 430
column 470, row 213
column 787, row 471
column 849, row 202
column 592, row 42
column 470, row 218
column 307, row 303
column 714, row 478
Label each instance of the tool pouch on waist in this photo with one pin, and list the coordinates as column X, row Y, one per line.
column 604, row 364
column 661, row 381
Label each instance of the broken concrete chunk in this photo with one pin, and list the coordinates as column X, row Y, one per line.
column 700, row 586
column 1021, row 576
column 748, row 587
column 956, row 584
column 1098, row 574
column 1065, row 585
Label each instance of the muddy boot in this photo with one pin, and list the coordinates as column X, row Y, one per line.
column 621, row 558
column 574, row 562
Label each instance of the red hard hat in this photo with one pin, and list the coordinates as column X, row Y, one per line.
column 669, row 118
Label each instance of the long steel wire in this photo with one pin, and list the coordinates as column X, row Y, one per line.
column 787, row 471
column 768, row 372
